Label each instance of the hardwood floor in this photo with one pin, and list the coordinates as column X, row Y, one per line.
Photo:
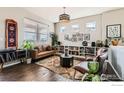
column 29, row 72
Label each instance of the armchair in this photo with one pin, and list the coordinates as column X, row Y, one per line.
column 82, row 67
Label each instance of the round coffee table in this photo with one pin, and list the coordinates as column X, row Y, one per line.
column 66, row 61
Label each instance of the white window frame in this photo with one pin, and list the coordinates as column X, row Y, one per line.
column 91, row 26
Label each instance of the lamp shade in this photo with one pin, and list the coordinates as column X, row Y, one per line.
column 64, row 18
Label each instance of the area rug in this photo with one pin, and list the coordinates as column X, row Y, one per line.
column 53, row 64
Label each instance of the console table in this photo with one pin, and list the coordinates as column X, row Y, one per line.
column 9, row 55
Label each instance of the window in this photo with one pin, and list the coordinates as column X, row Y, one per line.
column 30, row 34
column 91, row 26
column 35, row 31
column 30, row 30
column 75, row 27
column 62, row 29
column 42, row 33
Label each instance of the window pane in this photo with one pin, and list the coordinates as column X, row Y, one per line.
column 42, row 33
column 75, row 27
column 91, row 26
column 29, row 36
column 43, row 38
column 30, row 30
column 62, row 29
column 35, row 31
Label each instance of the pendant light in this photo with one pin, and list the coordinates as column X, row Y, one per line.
column 64, row 17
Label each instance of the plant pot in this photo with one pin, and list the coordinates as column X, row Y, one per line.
column 28, row 60
column 115, row 42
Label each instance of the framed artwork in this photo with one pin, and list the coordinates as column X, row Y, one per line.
column 11, row 34
column 80, row 39
column 86, row 37
column 66, row 37
column 113, row 31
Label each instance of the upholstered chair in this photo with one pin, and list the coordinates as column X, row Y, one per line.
column 101, row 56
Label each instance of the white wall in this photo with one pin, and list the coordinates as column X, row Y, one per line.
column 104, row 19
column 112, row 17
column 18, row 14
column 94, row 35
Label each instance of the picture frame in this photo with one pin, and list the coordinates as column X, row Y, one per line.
column 86, row 37
column 11, row 34
column 113, row 31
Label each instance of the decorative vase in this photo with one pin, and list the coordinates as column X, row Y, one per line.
column 115, row 42
column 106, row 43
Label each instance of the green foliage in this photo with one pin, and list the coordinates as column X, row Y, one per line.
column 54, row 38
column 92, row 77
column 96, row 78
column 27, row 45
column 93, row 67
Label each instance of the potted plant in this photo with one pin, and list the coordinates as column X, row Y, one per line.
column 54, row 38
column 28, row 46
column 93, row 69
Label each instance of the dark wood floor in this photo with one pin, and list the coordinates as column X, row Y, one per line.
column 29, row 72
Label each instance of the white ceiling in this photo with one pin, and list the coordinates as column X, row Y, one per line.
column 52, row 13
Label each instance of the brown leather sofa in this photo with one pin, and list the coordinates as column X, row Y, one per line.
column 41, row 52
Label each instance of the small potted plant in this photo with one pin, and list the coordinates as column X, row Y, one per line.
column 28, row 46
column 93, row 69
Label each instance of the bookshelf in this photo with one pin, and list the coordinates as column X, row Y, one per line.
column 78, row 50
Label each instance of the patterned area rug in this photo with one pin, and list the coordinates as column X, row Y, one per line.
column 53, row 64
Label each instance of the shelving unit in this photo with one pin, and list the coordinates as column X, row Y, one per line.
column 78, row 50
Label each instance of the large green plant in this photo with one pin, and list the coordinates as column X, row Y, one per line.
column 54, row 38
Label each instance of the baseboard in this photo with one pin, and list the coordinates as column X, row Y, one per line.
column 10, row 64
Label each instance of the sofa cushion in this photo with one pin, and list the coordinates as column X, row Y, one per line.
column 48, row 48
column 43, row 48
column 45, row 52
column 37, row 48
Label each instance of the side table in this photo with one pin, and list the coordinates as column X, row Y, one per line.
column 66, row 62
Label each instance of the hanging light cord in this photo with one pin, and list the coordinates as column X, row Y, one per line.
column 64, row 9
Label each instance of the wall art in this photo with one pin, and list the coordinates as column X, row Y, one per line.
column 113, row 31
column 11, row 34
column 86, row 37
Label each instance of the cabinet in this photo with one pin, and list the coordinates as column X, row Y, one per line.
column 78, row 50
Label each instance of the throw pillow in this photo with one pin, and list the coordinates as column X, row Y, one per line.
column 37, row 48
column 48, row 48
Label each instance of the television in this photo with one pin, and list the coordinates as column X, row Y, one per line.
column 116, row 60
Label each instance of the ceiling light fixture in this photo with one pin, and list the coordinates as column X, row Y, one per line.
column 64, row 17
